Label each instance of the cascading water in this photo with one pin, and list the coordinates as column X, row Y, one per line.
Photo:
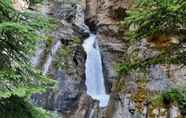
column 94, row 73
column 50, row 56
column 47, row 64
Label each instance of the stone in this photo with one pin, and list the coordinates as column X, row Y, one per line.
column 68, row 98
column 20, row 5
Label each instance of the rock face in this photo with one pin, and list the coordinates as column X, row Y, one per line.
column 67, row 65
column 128, row 93
column 20, row 5
column 103, row 16
column 100, row 17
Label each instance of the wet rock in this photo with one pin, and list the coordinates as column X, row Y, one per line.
column 112, row 51
column 82, row 31
column 122, row 107
column 73, row 13
column 68, row 93
column 100, row 18
column 85, row 108
column 68, row 98
column 103, row 16
column 62, row 99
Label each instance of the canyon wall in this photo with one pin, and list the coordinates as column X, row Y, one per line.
column 67, row 66
column 129, row 93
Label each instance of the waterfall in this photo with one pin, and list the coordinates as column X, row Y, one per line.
column 53, row 51
column 94, row 73
column 37, row 98
column 35, row 60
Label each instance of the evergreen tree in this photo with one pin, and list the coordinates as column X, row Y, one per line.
column 18, row 80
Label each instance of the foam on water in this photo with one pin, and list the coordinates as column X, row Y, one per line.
column 94, row 73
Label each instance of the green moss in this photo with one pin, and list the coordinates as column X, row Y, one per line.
column 169, row 98
column 61, row 58
column 141, row 95
column 77, row 41
column 134, row 57
column 35, row 1
column 119, row 85
column 49, row 41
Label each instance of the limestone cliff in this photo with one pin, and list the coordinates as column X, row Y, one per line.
column 20, row 5
column 64, row 62
column 129, row 93
column 101, row 16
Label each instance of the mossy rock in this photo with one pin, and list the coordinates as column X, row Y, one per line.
column 141, row 95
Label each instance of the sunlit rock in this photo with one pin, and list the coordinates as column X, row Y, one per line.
column 20, row 5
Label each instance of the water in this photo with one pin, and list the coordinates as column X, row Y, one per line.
column 94, row 73
column 48, row 62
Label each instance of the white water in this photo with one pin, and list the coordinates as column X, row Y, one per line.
column 53, row 51
column 94, row 74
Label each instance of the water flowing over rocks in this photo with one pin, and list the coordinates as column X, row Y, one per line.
column 63, row 59
column 103, row 17
column 99, row 15
column 94, row 71
column 67, row 66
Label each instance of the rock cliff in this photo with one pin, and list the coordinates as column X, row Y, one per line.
column 67, row 60
column 129, row 93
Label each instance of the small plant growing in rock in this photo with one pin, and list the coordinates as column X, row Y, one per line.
column 174, row 96
column 163, row 24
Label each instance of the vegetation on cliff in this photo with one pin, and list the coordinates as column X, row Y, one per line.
column 157, row 17
column 35, row 1
column 18, row 80
column 163, row 24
